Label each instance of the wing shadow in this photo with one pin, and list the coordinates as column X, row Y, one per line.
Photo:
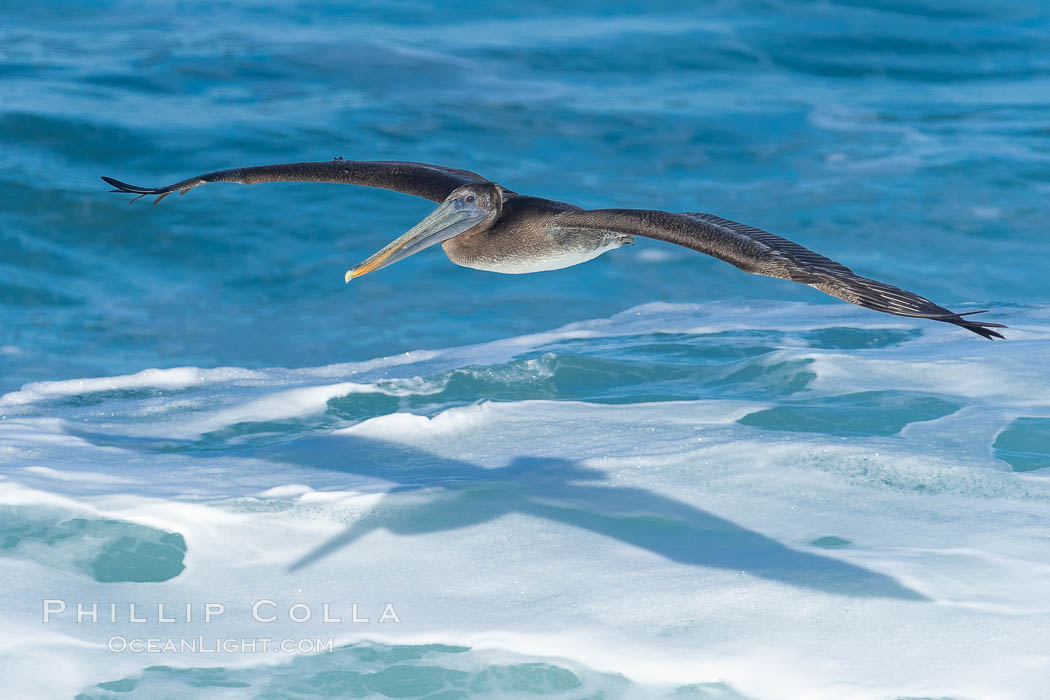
column 564, row 491
column 462, row 494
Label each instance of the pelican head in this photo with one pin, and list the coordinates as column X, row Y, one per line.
column 471, row 207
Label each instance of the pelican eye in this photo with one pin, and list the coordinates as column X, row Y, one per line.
column 470, row 199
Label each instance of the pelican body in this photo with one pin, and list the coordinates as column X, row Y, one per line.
column 483, row 225
column 519, row 241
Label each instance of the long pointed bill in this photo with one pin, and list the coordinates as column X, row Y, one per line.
column 447, row 221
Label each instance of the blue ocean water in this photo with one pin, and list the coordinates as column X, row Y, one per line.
column 648, row 475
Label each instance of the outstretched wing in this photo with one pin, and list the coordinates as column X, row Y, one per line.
column 432, row 182
column 762, row 253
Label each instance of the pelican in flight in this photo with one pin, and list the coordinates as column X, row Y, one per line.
column 483, row 225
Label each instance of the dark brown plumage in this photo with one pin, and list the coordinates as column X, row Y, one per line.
column 485, row 226
column 431, row 182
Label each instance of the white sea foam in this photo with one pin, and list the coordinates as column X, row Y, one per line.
column 92, row 477
column 274, row 406
column 585, row 535
column 399, row 427
column 169, row 379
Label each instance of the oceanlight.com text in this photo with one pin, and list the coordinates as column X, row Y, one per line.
column 219, row 645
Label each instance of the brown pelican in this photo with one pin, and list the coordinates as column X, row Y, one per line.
column 483, row 225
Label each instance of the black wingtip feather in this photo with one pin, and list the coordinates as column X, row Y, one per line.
column 125, row 188
column 982, row 329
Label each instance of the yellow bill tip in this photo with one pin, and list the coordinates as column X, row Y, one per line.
column 373, row 263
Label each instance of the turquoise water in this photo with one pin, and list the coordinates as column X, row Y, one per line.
column 651, row 475
column 908, row 141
